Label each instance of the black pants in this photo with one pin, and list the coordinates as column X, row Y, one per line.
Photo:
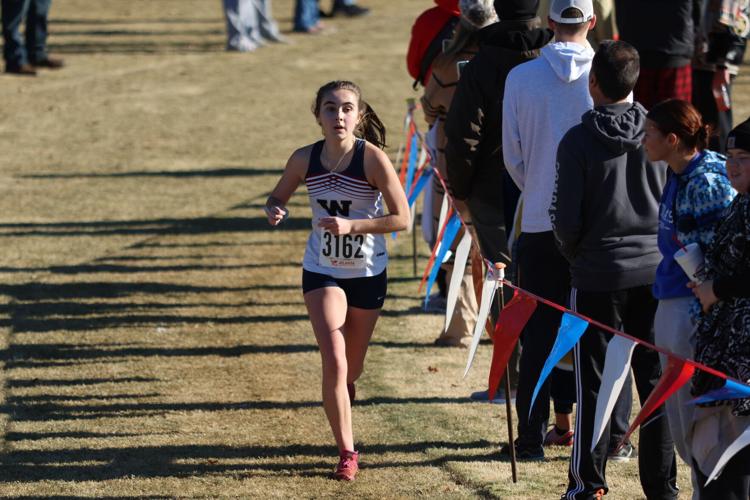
column 732, row 484
column 544, row 272
column 490, row 218
column 632, row 311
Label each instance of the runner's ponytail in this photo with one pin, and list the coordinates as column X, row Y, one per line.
column 370, row 127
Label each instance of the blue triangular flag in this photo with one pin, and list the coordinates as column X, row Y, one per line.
column 451, row 230
column 571, row 329
column 421, row 183
column 731, row 390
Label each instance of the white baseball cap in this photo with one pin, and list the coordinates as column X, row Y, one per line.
column 559, row 6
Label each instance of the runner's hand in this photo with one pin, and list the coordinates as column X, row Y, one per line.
column 275, row 214
column 335, row 225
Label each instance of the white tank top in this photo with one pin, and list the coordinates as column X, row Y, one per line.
column 348, row 195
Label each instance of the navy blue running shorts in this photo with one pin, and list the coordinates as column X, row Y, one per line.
column 364, row 293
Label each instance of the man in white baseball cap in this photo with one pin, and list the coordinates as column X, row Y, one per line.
column 543, row 98
column 558, row 7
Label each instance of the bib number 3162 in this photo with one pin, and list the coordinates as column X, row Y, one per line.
column 342, row 251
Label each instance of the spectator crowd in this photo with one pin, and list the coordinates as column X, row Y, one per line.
column 585, row 143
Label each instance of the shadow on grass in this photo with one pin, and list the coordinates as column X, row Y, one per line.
column 39, row 355
column 60, row 35
column 137, row 47
column 192, row 460
column 177, row 174
column 113, row 289
column 40, row 408
column 187, row 226
column 125, row 269
column 167, row 20
column 42, row 382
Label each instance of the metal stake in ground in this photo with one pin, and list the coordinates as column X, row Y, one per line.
column 414, row 241
column 500, row 271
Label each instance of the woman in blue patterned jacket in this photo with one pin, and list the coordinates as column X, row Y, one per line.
column 723, row 334
column 695, row 196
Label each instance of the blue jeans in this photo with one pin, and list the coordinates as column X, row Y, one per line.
column 306, row 15
column 16, row 51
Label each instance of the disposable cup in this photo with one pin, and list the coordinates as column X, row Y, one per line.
column 690, row 259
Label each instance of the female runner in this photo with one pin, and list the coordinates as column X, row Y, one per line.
column 348, row 177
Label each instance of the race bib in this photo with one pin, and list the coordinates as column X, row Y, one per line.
column 345, row 251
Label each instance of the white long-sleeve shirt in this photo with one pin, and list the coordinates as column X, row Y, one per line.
column 543, row 99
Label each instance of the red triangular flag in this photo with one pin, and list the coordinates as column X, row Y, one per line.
column 513, row 318
column 676, row 374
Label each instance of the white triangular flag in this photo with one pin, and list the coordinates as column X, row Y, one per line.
column 616, row 368
column 459, row 265
column 488, row 295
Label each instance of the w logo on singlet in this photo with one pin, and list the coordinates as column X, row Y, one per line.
column 334, row 208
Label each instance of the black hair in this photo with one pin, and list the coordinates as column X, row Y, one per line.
column 616, row 66
column 370, row 127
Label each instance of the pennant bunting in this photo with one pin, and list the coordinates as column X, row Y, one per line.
column 488, row 294
column 419, row 186
column 410, row 134
column 424, row 158
column 741, row 442
column 451, row 230
column 513, row 318
column 571, row 329
column 616, row 368
column 404, row 153
column 477, row 271
column 431, row 261
column 730, row 390
column 428, row 232
column 444, row 207
column 676, row 374
column 412, row 165
column 459, row 266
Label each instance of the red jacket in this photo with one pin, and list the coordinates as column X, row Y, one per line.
column 425, row 28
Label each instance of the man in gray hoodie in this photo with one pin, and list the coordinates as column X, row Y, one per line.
column 604, row 214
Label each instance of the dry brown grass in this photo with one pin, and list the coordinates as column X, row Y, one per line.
column 154, row 338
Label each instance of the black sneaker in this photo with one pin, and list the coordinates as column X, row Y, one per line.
column 624, row 454
column 350, row 11
column 524, row 454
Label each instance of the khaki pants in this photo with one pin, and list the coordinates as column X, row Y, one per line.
column 464, row 318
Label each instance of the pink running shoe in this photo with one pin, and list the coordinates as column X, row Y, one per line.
column 556, row 438
column 347, row 467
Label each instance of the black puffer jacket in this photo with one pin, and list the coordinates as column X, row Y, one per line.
column 473, row 125
column 661, row 30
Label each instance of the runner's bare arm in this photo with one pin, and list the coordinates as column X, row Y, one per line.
column 381, row 174
column 294, row 174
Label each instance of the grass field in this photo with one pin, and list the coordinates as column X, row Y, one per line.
column 154, row 341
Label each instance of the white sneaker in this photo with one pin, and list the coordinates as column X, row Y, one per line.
column 242, row 45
